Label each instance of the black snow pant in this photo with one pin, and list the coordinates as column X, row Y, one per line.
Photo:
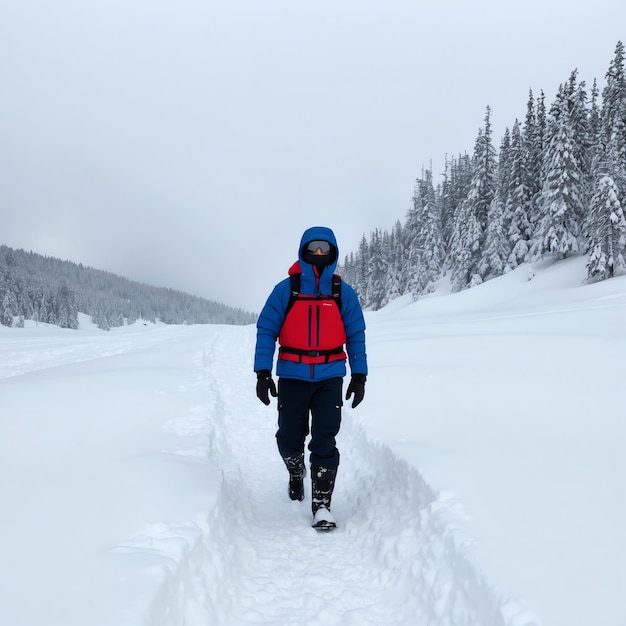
column 322, row 399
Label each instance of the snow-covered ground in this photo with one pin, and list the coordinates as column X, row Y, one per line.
column 482, row 479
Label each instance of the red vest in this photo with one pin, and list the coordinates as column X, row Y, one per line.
column 313, row 331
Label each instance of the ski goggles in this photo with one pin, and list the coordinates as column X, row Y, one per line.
column 320, row 244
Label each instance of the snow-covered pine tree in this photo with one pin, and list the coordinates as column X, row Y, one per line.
column 472, row 215
column 345, row 269
column 532, row 134
column 576, row 96
column 387, row 257
column 534, row 139
column 518, row 201
column 377, row 272
column 348, row 271
column 65, row 308
column 445, row 206
column 413, row 266
column 496, row 251
column 461, row 172
column 396, row 278
column 613, row 123
column 430, row 240
column 362, row 270
column 9, row 292
column 607, row 232
column 560, row 201
column 594, row 116
column 533, row 150
column 465, row 249
column 351, row 273
column 8, row 308
column 484, row 179
column 504, row 166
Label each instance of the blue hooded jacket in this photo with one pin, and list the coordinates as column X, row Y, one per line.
column 272, row 317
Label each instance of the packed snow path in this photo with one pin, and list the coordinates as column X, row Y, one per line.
column 141, row 485
column 393, row 560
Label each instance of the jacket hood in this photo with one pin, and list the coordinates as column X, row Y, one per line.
column 307, row 270
column 319, row 232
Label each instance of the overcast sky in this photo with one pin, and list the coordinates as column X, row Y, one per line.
column 189, row 143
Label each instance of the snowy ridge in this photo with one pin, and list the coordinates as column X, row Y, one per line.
column 395, row 558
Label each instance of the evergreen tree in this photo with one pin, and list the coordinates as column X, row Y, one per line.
column 362, row 271
column 377, row 273
column 465, row 252
column 595, row 134
column 414, row 271
column 560, row 201
column 429, row 241
column 497, row 250
column 432, row 231
column 504, row 166
column 613, row 124
column 594, row 116
column 578, row 115
column 395, row 282
column 7, row 308
column 518, row 202
column 484, row 179
column 534, row 143
column 8, row 290
column 445, row 207
column 533, row 153
column 472, row 216
column 387, row 257
column 66, row 311
column 607, row 243
column 535, row 159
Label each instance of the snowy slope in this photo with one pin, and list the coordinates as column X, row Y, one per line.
column 479, row 484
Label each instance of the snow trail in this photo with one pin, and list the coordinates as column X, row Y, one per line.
column 395, row 558
column 141, row 482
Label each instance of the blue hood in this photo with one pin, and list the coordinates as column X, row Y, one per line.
column 310, row 234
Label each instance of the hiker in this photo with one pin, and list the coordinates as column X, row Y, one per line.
column 316, row 318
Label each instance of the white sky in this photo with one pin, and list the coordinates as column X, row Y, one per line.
column 188, row 144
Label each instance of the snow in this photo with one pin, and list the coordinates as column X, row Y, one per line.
column 481, row 479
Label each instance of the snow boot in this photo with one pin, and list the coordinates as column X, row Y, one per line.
column 297, row 472
column 322, row 483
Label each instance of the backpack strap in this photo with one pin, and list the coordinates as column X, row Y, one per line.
column 294, row 292
column 337, row 290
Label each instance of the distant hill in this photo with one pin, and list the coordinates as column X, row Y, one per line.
column 50, row 290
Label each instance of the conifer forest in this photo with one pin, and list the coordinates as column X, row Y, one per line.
column 45, row 289
column 554, row 187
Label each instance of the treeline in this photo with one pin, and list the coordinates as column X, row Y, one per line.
column 556, row 187
column 49, row 290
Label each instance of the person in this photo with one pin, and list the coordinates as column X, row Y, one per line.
column 318, row 322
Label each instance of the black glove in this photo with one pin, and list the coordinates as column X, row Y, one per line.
column 264, row 386
column 356, row 387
